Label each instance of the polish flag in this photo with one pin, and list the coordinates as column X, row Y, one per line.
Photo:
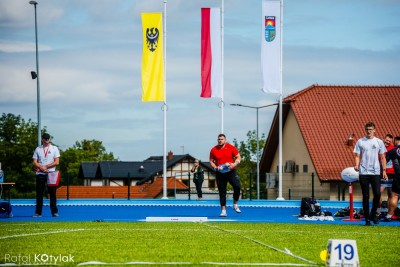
column 211, row 56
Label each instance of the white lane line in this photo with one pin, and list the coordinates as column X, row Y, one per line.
column 43, row 233
column 286, row 251
column 132, row 263
column 191, row 263
column 257, row 264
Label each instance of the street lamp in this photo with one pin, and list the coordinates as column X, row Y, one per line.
column 258, row 156
column 35, row 75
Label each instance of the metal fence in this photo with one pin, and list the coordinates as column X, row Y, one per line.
column 296, row 186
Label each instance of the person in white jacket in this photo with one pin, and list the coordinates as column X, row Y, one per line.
column 45, row 159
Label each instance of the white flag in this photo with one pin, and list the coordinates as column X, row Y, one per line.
column 271, row 46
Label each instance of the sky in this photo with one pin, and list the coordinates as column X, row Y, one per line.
column 90, row 56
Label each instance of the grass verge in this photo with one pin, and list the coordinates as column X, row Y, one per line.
column 194, row 244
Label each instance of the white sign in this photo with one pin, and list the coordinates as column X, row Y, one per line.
column 342, row 253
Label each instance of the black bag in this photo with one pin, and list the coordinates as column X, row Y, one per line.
column 327, row 213
column 5, row 209
column 383, row 210
column 345, row 212
column 310, row 207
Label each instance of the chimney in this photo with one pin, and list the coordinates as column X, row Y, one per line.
column 350, row 141
column 170, row 155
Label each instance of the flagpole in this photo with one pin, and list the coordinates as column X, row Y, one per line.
column 165, row 104
column 222, row 66
column 280, row 197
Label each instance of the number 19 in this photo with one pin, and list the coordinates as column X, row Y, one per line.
column 348, row 251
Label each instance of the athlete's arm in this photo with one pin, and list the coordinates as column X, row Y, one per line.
column 357, row 161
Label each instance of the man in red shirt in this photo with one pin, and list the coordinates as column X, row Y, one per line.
column 224, row 158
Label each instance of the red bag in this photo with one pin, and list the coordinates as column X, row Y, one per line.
column 53, row 178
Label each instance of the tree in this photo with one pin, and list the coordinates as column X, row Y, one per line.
column 18, row 140
column 248, row 167
column 85, row 150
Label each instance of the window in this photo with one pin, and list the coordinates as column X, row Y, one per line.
column 290, row 166
column 305, row 168
column 271, row 180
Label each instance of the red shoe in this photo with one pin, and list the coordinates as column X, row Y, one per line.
column 394, row 217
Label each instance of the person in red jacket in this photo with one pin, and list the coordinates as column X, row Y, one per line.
column 224, row 158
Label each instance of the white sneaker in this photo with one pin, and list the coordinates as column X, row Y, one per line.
column 223, row 213
column 236, row 208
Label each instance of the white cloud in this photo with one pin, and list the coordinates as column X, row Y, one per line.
column 90, row 67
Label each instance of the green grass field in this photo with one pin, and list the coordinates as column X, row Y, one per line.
column 195, row 244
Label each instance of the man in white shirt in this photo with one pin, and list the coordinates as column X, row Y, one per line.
column 367, row 152
column 45, row 159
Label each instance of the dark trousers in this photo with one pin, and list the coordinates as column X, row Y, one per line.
column 375, row 182
column 198, row 184
column 222, row 181
column 41, row 181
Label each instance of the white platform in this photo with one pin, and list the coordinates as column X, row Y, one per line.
column 176, row 219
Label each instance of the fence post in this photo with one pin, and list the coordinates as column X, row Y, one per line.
column 67, row 185
column 290, row 194
column 265, row 188
column 343, row 192
column 338, row 191
column 250, row 175
column 129, row 186
column 189, row 185
column 312, row 186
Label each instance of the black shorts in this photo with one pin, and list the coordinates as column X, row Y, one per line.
column 387, row 183
column 396, row 185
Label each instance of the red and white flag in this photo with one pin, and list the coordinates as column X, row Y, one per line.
column 211, row 55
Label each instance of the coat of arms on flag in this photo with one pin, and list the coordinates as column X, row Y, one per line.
column 270, row 29
column 152, row 38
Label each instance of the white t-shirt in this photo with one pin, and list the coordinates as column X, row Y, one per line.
column 369, row 151
column 46, row 155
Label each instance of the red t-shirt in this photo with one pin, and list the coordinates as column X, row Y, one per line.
column 389, row 164
column 222, row 155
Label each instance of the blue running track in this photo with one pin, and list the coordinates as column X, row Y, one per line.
column 262, row 211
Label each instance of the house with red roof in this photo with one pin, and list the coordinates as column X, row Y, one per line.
column 138, row 179
column 321, row 125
